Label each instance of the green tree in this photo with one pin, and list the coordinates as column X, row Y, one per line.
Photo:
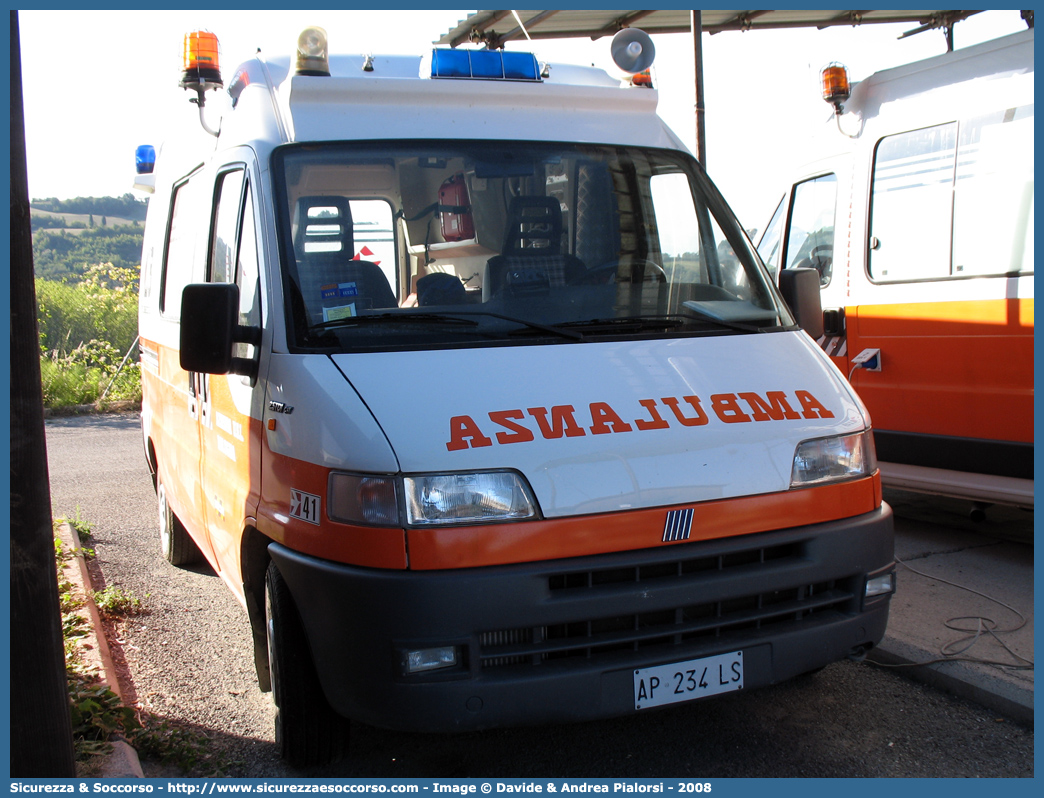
column 59, row 255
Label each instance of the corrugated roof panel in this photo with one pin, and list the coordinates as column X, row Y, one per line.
column 499, row 26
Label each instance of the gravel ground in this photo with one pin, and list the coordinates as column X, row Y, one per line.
column 190, row 658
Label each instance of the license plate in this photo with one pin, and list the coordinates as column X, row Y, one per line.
column 685, row 681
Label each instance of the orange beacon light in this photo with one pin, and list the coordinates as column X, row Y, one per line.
column 833, row 79
column 200, row 61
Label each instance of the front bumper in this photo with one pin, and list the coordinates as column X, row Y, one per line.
column 558, row 641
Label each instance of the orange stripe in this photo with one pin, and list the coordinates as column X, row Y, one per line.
column 962, row 318
column 370, row 547
column 961, row 369
column 532, row 541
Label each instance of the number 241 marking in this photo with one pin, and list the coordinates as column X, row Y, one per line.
column 304, row 506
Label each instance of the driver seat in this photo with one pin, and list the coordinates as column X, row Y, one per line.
column 531, row 260
column 329, row 277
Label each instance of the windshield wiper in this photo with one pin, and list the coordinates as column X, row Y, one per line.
column 627, row 323
column 453, row 317
column 560, row 331
column 428, row 318
column 666, row 322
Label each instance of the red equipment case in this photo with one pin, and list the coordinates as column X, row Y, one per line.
column 455, row 210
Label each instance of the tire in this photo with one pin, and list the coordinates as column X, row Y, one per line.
column 176, row 543
column 307, row 730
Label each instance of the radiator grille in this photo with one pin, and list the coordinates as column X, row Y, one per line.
column 677, row 569
column 598, row 636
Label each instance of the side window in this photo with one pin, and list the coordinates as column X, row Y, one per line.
column 180, row 248
column 993, row 194
column 769, row 246
column 911, row 205
column 229, row 192
column 678, row 228
column 247, row 274
column 233, row 251
column 374, row 234
column 693, row 247
column 247, row 271
column 810, row 237
column 968, row 185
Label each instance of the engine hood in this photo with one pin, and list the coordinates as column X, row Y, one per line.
column 599, row 427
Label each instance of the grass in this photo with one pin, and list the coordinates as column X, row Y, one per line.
column 88, row 331
column 69, row 383
column 82, row 528
column 96, row 711
column 115, row 602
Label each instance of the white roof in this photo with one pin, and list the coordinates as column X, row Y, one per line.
column 398, row 99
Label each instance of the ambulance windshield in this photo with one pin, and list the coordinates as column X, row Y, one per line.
column 421, row 244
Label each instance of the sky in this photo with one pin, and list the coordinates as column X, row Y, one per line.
column 84, row 117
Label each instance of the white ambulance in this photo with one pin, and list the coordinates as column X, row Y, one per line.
column 918, row 216
column 465, row 379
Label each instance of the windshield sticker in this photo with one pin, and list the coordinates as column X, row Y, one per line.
column 342, row 312
column 332, row 291
column 518, row 426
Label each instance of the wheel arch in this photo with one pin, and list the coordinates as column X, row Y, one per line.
column 254, row 559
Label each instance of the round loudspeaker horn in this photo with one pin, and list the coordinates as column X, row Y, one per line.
column 633, row 50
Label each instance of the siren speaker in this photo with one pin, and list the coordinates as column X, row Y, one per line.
column 633, row 50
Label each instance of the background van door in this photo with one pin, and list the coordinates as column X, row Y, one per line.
column 230, row 405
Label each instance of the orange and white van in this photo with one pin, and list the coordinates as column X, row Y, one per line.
column 465, row 379
column 918, row 215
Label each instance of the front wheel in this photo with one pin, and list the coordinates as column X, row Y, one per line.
column 308, row 731
column 176, row 543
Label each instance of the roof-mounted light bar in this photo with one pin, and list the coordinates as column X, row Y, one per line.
column 484, row 65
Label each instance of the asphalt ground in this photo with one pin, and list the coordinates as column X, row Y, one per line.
column 962, row 615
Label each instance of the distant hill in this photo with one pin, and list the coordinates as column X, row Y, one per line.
column 73, row 222
column 128, row 207
column 70, row 235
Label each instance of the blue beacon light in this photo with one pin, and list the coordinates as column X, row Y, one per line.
column 145, row 159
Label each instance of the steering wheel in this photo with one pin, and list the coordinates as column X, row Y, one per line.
column 821, row 258
column 658, row 275
column 606, row 273
column 600, row 275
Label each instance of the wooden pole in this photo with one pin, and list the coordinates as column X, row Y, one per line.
column 41, row 729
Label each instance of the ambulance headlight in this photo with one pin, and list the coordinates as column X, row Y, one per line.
column 834, row 459
column 429, row 499
column 470, row 498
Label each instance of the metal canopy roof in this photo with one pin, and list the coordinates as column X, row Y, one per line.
column 493, row 28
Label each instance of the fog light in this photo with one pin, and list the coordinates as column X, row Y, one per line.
column 880, row 585
column 430, row 659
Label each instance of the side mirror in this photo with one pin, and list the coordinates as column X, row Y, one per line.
column 210, row 328
column 800, row 290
